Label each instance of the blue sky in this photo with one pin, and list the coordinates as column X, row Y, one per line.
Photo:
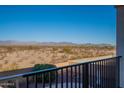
column 77, row 24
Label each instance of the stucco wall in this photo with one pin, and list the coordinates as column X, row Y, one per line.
column 120, row 41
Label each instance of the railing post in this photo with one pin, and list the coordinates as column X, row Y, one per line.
column 86, row 76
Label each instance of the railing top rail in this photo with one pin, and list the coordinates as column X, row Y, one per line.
column 52, row 69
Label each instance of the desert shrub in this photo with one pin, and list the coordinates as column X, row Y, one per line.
column 67, row 50
column 10, row 49
column 55, row 48
column 47, row 75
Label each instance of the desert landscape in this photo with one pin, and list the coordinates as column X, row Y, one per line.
column 14, row 57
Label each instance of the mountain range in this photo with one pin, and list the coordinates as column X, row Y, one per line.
column 12, row 42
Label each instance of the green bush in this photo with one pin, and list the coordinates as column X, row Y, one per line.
column 48, row 75
column 67, row 50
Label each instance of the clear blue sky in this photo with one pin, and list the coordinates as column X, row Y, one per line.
column 77, row 24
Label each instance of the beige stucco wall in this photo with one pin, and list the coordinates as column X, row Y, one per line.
column 120, row 41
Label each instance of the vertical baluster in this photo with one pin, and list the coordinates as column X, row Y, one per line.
column 67, row 77
column 86, row 76
column 82, row 74
column 50, row 82
column 27, row 81
column 79, row 79
column 98, row 74
column 105, row 74
column 75, row 76
column 113, row 64
column 115, row 72
column 93, row 75
column 61, row 78
column 115, row 68
column 36, row 81
column 90, row 75
column 56, row 79
column 111, row 74
column 112, row 77
column 102, row 75
column 71, row 77
column 43, row 78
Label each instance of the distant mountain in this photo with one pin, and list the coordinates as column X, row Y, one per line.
column 102, row 44
column 57, row 43
column 12, row 42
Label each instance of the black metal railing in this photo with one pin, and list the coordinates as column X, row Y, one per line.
column 102, row 73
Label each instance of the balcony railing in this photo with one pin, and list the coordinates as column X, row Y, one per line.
column 102, row 73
